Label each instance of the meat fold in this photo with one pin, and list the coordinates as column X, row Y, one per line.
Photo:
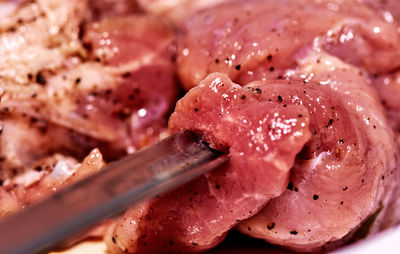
column 332, row 47
column 339, row 185
column 262, row 136
column 256, row 40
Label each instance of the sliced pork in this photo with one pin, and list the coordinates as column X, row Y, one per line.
column 177, row 11
column 101, row 9
column 332, row 47
column 254, row 40
column 98, row 85
column 333, row 189
column 388, row 87
column 45, row 177
column 263, row 137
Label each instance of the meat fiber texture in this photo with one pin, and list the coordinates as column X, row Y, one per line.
column 263, row 136
column 253, row 40
column 347, row 172
column 71, row 83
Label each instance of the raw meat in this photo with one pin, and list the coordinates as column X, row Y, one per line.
column 263, row 137
column 257, row 40
column 177, row 11
column 338, row 188
column 67, row 77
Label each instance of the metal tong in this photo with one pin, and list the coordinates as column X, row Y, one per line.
column 142, row 175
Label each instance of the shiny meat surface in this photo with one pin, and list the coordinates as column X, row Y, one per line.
column 45, row 177
column 265, row 37
column 388, row 9
column 344, row 176
column 177, row 11
column 74, row 87
column 339, row 184
column 388, row 87
column 263, row 137
column 312, row 131
column 100, row 9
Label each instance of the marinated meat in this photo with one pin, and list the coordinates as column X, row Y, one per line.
column 101, row 9
column 60, row 84
column 388, row 9
column 388, row 87
column 45, row 177
column 313, row 157
column 263, row 137
column 177, row 11
column 288, row 40
column 257, row 40
column 338, row 188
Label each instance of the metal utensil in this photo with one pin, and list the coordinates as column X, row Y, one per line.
column 142, row 175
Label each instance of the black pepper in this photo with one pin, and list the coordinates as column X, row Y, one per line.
column 280, row 99
column 237, row 67
column 315, row 197
column 293, row 232
column 40, row 79
column 126, row 75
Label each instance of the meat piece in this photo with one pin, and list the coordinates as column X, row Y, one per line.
column 101, row 9
column 339, row 185
column 388, row 9
column 24, row 141
column 177, row 11
column 39, row 35
column 117, row 102
column 263, row 137
column 257, row 40
column 44, row 177
column 263, row 41
column 388, row 87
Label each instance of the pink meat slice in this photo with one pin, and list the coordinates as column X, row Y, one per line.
column 388, row 87
column 141, row 48
column 73, row 86
column 335, row 186
column 262, row 136
column 254, row 40
column 388, row 9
